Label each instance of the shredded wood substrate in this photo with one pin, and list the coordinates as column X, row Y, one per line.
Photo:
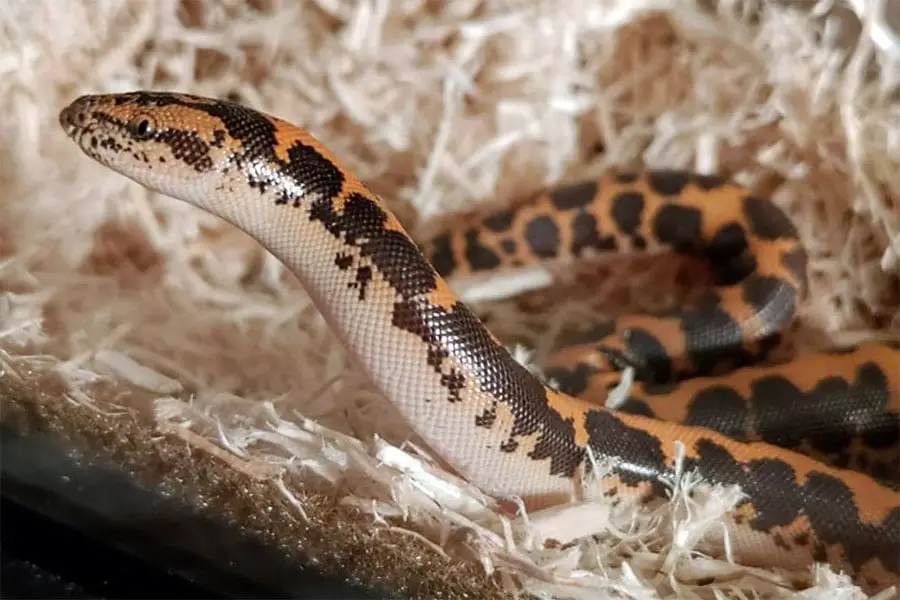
column 139, row 326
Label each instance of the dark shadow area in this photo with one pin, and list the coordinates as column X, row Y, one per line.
column 76, row 528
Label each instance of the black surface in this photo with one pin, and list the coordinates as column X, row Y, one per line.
column 68, row 530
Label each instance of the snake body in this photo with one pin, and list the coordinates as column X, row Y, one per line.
column 488, row 416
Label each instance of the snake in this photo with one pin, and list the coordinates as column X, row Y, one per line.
column 788, row 435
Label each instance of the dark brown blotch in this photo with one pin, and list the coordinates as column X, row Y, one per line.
column 219, row 136
column 454, row 381
column 639, row 455
column 509, row 446
column 487, row 418
column 888, row 471
column 585, row 235
column 766, row 220
column 646, row 352
column 729, row 256
column 678, row 227
column 720, row 408
column 771, row 483
column 304, row 164
column 627, row 210
column 343, row 261
column 363, row 278
column 728, row 242
column 833, row 512
column 572, row 196
column 442, row 257
column 111, row 143
column 499, row 221
column 479, row 256
column 730, row 272
column 636, row 406
column 666, row 182
column 640, row 243
column 542, row 237
column 709, row 183
column 711, row 336
column 508, row 246
column 361, row 223
column 573, row 379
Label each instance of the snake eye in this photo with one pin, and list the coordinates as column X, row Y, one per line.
column 142, row 127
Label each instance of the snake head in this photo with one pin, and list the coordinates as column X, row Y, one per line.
column 168, row 142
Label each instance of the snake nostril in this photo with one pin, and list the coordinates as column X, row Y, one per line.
column 72, row 116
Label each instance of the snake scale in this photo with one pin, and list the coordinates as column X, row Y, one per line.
column 812, row 443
